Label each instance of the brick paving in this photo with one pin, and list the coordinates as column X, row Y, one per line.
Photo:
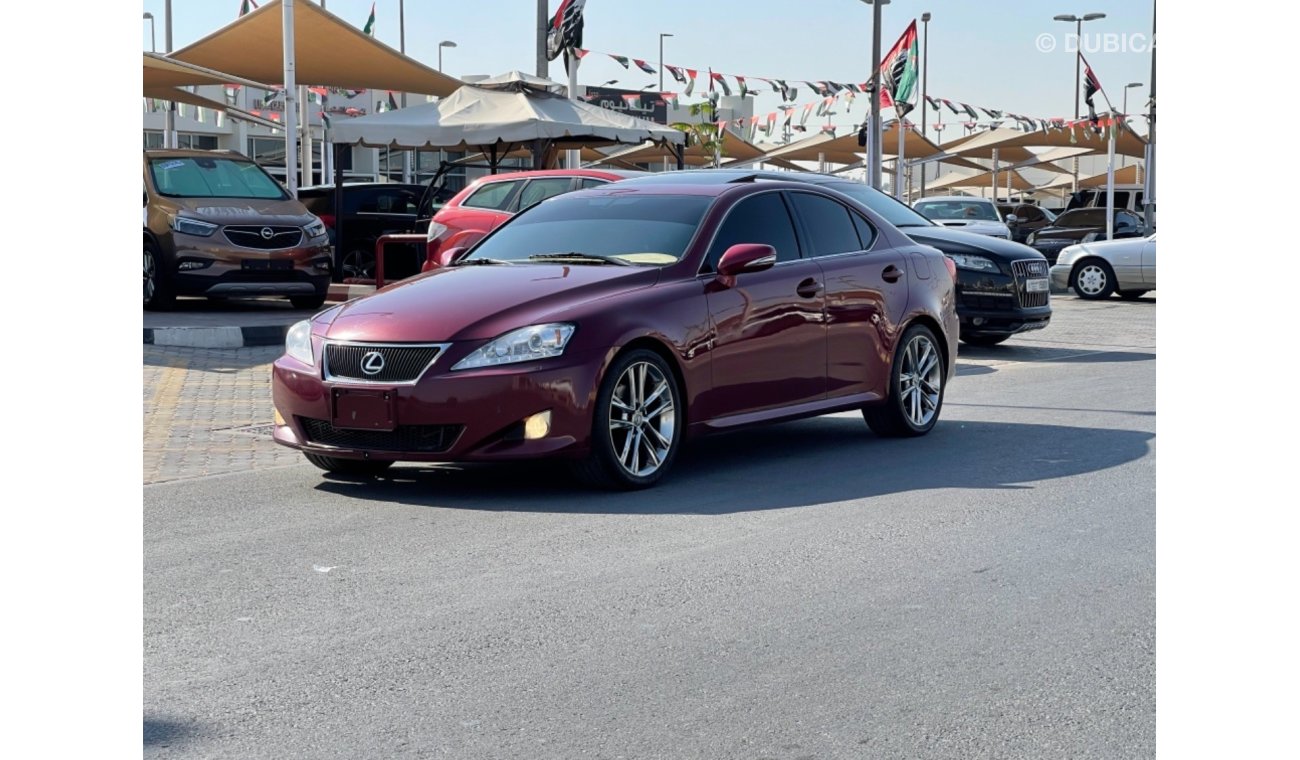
column 208, row 411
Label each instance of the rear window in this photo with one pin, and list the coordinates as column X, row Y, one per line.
column 493, row 195
column 893, row 210
column 958, row 210
column 1082, row 217
column 213, row 177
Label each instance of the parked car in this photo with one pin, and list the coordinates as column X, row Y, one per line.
column 1128, row 197
column 217, row 225
column 1024, row 218
column 1083, row 225
column 1002, row 287
column 1096, row 270
column 370, row 210
column 489, row 201
column 608, row 325
column 965, row 213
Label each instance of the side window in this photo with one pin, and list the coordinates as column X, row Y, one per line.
column 368, row 201
column 866, row 233
column 493, row 195
column 538, row 190
column 1028, row 214
column 397, row 202
column 761, row 219
column 588, row 183
column 829, row 226
column 1123, row 219
column 1121, row 199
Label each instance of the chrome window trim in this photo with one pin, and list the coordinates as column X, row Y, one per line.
column 325, row 369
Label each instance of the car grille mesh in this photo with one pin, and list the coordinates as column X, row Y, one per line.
column 424, row 439
column 984, row 302
column 401, row 364
column 1023, row 270
column 250, row 236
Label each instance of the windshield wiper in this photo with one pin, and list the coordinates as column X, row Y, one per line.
column 479, row 262
column 579, row 256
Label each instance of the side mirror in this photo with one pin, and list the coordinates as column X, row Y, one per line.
column 746, row 257
column 1013, row 219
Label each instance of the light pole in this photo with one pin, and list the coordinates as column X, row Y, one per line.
column 661, row 58
column 1124, row 111
column 873, row 130
column 441, row 45
column 153, row 40
column 169, row 129
column 925, row 81
column 1078, row 47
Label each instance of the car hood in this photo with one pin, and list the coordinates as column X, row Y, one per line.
column 1064, row 233
column 956, row 241
column 244, row 211
column 478, row 302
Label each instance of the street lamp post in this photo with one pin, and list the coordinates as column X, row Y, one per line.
column 441, row 45
column 1124, row 111
column 169, row 129
column 153, row 40
column 873, row 130
column 661, row 58
column 1078, row 43
column 925, row 81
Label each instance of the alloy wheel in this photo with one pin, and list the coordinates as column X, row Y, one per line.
column 358, row 264
column 150, row 275
column 920, row 380
column 1091, row 279
column 642, row 418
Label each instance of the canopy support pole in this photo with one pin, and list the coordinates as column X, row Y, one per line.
column 492, row 159
column 680, row 151
column 290, row 95
column 1110, row 182
column 898, row 164
column 338, row 206
column 995, row 175
column 573, row 158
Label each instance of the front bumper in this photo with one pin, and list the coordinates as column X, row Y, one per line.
column 992, row 304
column 1051, row 249
column 482, row 411
column 1060, row 276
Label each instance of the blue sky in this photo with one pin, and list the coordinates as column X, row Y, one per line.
column 984, row 53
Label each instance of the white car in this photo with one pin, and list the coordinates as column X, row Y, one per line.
column 966, row 213
column 1096, row 270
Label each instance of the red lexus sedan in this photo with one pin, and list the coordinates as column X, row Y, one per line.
column 606, row 326
column 490, row 201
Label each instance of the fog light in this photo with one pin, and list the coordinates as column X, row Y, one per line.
column 537, row 426
column 978, row 321
column 187, row 265
column 279, row 418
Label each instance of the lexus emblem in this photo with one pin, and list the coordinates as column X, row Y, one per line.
column 372, row 363
column 267, row 233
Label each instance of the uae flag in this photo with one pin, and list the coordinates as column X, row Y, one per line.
column 369, row 28
column 623, row 60
column 247, row 6
column 898, row 70
column 647, row 68
column 565, row 30
column 934, row 102
column 716, row 77
column 392, row 101
column 676, row 72
column 690, row 86
column 744, row 89
column 1091, row 86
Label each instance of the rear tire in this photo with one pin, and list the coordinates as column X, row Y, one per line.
column 984, row 340
column 159, row 292
column 1093, row 279
column 636, row 427
column 358, row 263
column 365, row 467
column 1131, row 295
column 309, row 302
column 916, row 385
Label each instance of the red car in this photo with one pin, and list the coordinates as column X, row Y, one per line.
column 489, row 201
column 608, row 325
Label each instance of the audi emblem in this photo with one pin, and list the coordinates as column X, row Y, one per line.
column 267, row 233
column 372, row 363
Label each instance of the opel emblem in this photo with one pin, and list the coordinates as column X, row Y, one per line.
column 267, row 233
column 372, row 363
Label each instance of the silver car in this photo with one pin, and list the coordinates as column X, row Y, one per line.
column 1096, row 270
column 965, row 213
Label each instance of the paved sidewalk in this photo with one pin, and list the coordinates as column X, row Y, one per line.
column 235, row 322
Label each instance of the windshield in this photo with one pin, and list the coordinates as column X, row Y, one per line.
column 958, row 210
column 650, row 230
column 895, row 212
column 215, row 177
column 1084, row 217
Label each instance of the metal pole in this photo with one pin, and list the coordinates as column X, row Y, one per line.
column 573, row 158
column 541, row 39
column 873, row 134
column 401, row 29
column 995, row 175
column 898, row 163
column 1149, row 175
column 326, row 148
column 169, row 128
column 661, row 62
column 1078, row 44
column 153, row 38
column 290, row 107
column 1110, row 182
column 304, row 143
column 925, row 81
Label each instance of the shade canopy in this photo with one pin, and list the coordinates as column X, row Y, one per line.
column 1044, row 161
column 734, row 148
column 983, row 179
column 981, row 145
column 329, row 52
column 509, row 111
column 161, row 71
column 1129, row 175
column 1010, row 141
column 845, row 149
column 177, row 95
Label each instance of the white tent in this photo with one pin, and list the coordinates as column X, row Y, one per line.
column 498, row 115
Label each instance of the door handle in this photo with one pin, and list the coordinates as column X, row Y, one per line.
column 809, row 288
column 891, row 274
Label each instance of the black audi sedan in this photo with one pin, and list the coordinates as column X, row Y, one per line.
column 1002, row 287
column 1082, row 225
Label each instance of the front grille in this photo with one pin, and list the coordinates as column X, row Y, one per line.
column 425, row 439
column 400, row 363
column 251, row 236
column 985, row 302
column 1023, row 270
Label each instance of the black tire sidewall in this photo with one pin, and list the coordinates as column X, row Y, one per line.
column 602, row 445
column 1106, row 292
column 896, row 373
column 163, row 289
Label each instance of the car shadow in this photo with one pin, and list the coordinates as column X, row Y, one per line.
column 163, row 733
column 1024, row 352
column 809, row 462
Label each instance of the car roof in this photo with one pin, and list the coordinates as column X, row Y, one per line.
column 732, row 176
column 597, row 173
column 192, row 153
column 361, row 185
column 947, row 198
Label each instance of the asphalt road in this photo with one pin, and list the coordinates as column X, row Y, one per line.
column 799, row 591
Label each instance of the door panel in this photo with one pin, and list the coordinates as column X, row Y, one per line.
column 1149, row 263
column 863, row 310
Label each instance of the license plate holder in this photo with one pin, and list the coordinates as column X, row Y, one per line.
column 266, row 265
column 1036, row 285
column 364, row 409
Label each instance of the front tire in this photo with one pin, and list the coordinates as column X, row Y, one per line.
column 366, row 467
column 358, row 263
column 1093, row 279
column 159, row 292
column 916, row 386
column 636, row 428
column 1131, row 295
column 984, row 340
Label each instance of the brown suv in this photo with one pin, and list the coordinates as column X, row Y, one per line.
column 217, row 225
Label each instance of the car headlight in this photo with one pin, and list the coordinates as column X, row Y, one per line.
column 298, row 342
column 1032, row 237
column 1091, row 236
column 315, row 229
column 524, row 345
column 978, row 263
column 436, row 230
column 188, row 226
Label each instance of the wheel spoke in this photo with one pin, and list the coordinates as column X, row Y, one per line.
column 620, row 425
column 636, row 452
column 651, row 452
column 618, row 404
column 627, row 445
column 664, row 442
column 659, row 391
column 665, row 407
